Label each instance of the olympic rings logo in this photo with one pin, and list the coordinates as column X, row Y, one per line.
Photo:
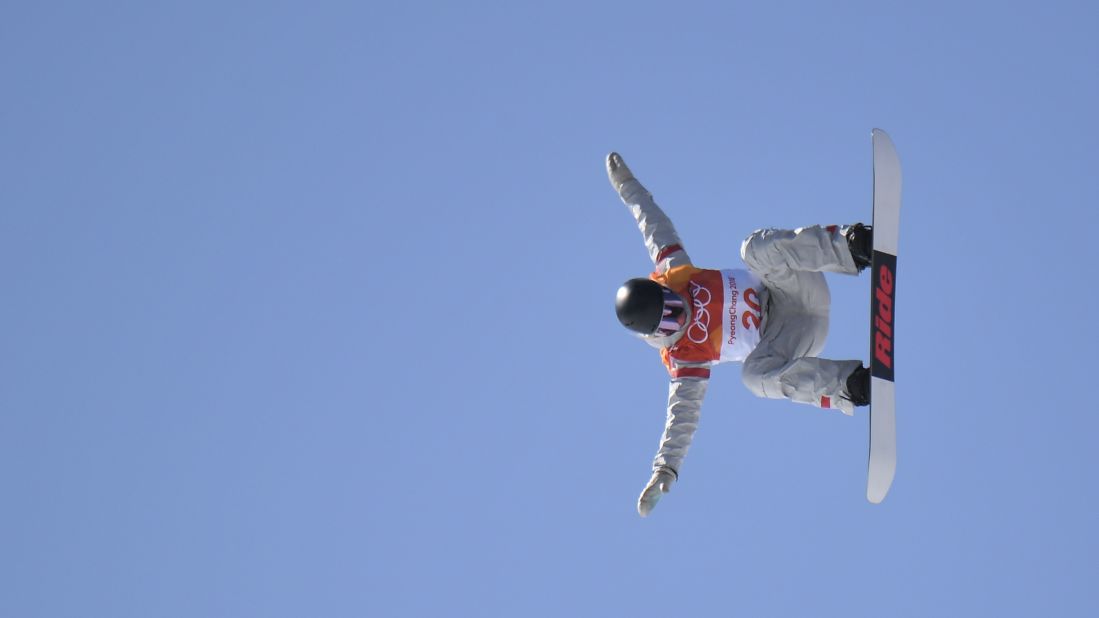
column 699, row 331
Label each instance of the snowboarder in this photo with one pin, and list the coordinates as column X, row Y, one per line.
column 772, row 317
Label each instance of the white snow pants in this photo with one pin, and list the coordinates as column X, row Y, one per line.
column 785, row 364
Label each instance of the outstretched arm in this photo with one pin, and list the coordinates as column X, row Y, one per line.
column 661, row 240
column 684, row 409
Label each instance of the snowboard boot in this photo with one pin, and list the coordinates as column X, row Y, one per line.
column 617, row 171
column 860, row 241
column 858, row 386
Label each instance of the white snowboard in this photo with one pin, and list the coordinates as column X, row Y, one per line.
column 883, row 279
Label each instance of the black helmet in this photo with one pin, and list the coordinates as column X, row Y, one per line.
column 649, row 308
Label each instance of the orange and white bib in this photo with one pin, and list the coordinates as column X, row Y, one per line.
column 725, row 314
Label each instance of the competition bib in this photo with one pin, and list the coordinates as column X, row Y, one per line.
column 726, row 315
column 742, row 314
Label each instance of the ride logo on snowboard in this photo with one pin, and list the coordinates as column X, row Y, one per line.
column 884, row 285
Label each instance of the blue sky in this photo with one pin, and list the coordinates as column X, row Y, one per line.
column 308, row 308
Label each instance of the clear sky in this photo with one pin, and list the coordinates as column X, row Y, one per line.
column 308, row 308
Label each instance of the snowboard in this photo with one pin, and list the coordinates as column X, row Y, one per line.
column 883, row 286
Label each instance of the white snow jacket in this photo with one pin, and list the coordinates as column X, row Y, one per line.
column 689, row 379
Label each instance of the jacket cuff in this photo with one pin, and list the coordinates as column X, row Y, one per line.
column 669, row 469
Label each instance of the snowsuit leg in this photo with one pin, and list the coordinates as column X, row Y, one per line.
column 785, row 364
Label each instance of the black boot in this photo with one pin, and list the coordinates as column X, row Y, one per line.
column 860, row 241
column 858, row 386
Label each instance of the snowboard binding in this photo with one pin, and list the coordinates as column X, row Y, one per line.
column 860, row 241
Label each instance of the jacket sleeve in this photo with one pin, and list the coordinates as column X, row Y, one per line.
column 684, row 409
column 661, row 240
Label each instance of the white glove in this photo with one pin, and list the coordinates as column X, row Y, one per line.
column 659, row 484
column 617, row 171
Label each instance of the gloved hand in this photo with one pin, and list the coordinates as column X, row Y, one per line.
column 659, row 484
column 617, row 171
